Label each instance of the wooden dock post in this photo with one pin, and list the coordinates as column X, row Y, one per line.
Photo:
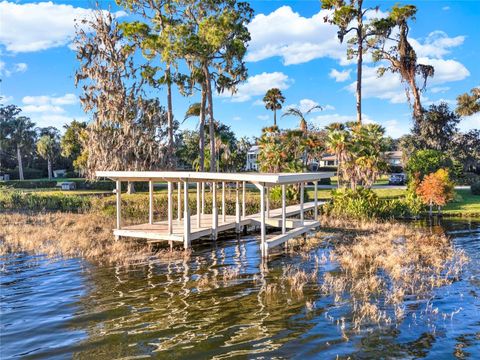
column 150, row 202
column 186, row 217
column 268, row 202
column 224, row 212
column 179, row 201
column 203, row 197
column 214, row 211
column 302, row 215
column 284, row 210
column 199, row 212
column 315, row 206
column 237, row 208
column 263, row 230
column 170, row 209
column 118, row 193
column 244, row 211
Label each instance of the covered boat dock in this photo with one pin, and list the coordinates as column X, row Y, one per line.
column 187, row 227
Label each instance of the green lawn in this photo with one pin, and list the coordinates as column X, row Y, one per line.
column 465, row 204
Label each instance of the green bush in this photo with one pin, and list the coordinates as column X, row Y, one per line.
column 475, row 188
column 28, row 173
column 28, row 184
column 424, row 162
column 363, row 203
column 17, row 200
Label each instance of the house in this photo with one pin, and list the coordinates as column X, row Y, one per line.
column 394, row 158
column 252, row 158
column 328, row 160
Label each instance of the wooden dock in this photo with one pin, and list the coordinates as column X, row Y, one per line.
column 187, row 227
column 159, row 231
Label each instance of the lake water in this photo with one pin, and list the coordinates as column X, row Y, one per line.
column 59, row 309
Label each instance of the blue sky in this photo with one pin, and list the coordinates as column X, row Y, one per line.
column 291, row 48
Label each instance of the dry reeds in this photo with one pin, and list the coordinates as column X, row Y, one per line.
column 382, row 263
column 72, row 235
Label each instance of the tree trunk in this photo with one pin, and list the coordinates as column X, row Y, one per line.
column 202, row 128
column 49, row 168
column 417, row 105
column 131, row 188
column 20, row 164
column 431, row 209
column 169, row 115
column 211, row 123
column 274, row 117
column 359, row 62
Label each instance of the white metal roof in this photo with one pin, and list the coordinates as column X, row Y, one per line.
column 253, row 177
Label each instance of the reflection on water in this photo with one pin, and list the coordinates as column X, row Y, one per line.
column 222, row 302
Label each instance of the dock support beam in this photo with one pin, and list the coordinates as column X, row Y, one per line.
column 179, row 201
column 244, row 212
column 170, row 209
column 302, row 189
column 224, row 212
column 199, row 212
column 118, row 193
column 150, row 202
column 315, row 207
column 268, row 202
column 203, row 197
column 186, row 217
column 284, row 210
column 237, row 209
column 214, row 211
column 263, row 230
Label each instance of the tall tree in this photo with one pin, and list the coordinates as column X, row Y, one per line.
column 71, row 142
column 157, row 35
column 391, row 44
column 348, row 16
column 47, row 148
column 468, row 104
column 215, row 35
column 437, row 128
column 8, row 114
column 198, row 110
column 22, row 136
column 273, row 100
column 128, row 129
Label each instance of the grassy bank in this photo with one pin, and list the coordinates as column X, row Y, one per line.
column 135, row 206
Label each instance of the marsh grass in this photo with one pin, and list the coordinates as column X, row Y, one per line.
column 382, row 264
column 87, row 236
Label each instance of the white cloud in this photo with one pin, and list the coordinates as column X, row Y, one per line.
column 67, row 99
column 446, row 8
column 5, row 99
column 340, row 76
column 7, row 71
column 57, row 120
column 237, row 118
column 390, row 86
column 46, row 108
column 470, row 122
column 439, row 89
column 437, row 44
column 258, row 85
column 263, row 117
column 296, row 39
column 38, row 26
column 305, row 105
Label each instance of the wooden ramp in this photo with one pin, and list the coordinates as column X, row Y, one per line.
column 158, row 231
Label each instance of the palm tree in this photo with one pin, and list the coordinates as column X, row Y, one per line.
column 195, row 109
column 46, row 147
column 273, row 100
column 337, row 142
column 293, row 111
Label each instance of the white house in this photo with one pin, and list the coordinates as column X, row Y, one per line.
column 252, row 158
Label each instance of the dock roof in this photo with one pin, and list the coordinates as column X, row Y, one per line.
column 193, row 176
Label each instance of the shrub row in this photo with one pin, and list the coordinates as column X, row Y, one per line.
column 17, row 200
column 365, row 204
